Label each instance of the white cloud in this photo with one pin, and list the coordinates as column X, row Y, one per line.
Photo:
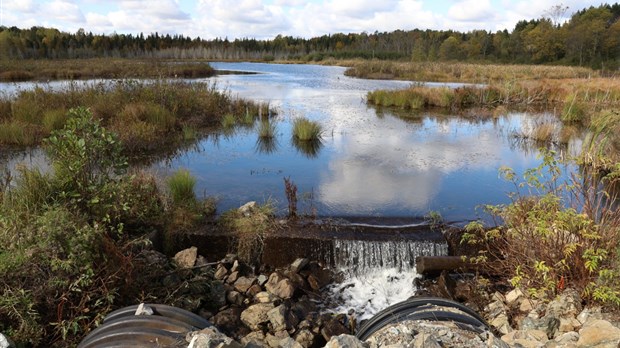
column 63, row 11
column 471, row 11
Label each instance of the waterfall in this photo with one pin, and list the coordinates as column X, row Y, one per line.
column 377, row 274
column 362, row 256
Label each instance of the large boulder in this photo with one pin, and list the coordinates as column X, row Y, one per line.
column 280, row 286
column 186, row 258
column 600, row 334
column 345, row 341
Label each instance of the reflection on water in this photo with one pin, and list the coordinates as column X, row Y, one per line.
column 309, row 148
column 370, row 162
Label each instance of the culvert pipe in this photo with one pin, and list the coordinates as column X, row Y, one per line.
column 424, row 308
column 166, row 327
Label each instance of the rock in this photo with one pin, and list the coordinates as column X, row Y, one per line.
column 425, row 341
column 228, row 320
column 600, row 334
column 280, row 286
column 232, row 278
column 262, row 279
column 282, row 319
column 275, row 339
column 526, row 338
column 445, row 286
column 333, row 327
column 186, row 258
column 211, row 338
column 253, row 290
column 256, row 315
column 566, row 305
column 247, row 208
column 569, row 324
column 299, row 264
column 303, row 307
column 144, row 310
column 235, row 298
column 345, row 341
column 265, row 297
column 5, row 342
column 305, row 338
column 527, row 305
column 255, row 339
column 513, row 296
column 221, row 272
column 548, row 324
column 501, row 324
column 244, row 283
column 566, row 338
column 289, row 343
column 588, row 313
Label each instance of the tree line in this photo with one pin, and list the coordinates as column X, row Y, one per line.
column 591, row 37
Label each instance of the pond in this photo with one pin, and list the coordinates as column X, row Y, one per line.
column 370, row 164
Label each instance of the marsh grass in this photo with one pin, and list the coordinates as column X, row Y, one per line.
column 266, row 129
column 306, row 130
column 108, row 68
column 181, row 185
column 543, row 132
column 149, row 117
column 461, row 72
column 574, row 110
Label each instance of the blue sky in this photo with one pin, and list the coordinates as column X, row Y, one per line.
column 264, row 19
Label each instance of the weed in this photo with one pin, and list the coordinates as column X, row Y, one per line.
column 290, row 189
column 228, row 121
column 250, row 229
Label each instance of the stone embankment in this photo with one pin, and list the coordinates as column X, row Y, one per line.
column 281, row 309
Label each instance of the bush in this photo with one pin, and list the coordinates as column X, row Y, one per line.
column 250, row 229
column 545, row 244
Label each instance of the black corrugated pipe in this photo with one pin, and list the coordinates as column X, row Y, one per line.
column 424, row 308
column 166, row 326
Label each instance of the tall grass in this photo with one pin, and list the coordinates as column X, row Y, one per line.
column 306, row 130
column 149, row 117
column 70, row 69
column 461, row 72
column 181, row 185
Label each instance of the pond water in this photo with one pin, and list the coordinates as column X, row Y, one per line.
column 370, row 164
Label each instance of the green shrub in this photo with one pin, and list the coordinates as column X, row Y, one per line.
column 545, row 245
column 304, row 130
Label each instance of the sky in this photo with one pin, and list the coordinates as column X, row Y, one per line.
column 265, row 19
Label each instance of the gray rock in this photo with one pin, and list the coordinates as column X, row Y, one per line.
column 513, row 296
column 501, row 323
column 566, row 305
column 526, row 338
column 262, row 279
column 247, row 208
column 548, row 324
column 299, row 264
column 5, row 342
column 333, row 327
column 255, row 315
column 144, row 310
column 211, row 337
column 186, row 258
column 566, row 338
column 345, row 341
column 289, row 343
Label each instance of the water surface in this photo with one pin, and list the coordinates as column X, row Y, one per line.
column 370, row 163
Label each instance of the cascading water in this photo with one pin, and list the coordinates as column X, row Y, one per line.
column 377, row 274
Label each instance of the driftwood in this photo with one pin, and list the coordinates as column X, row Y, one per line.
column 435, row 264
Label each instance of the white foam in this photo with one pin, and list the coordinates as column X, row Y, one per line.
column 373, row 291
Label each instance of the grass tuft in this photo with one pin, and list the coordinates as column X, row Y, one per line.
column 306, row 130
column 181, row 185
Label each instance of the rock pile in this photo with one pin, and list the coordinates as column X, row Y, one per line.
column 277, row 309
column 560, row 323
